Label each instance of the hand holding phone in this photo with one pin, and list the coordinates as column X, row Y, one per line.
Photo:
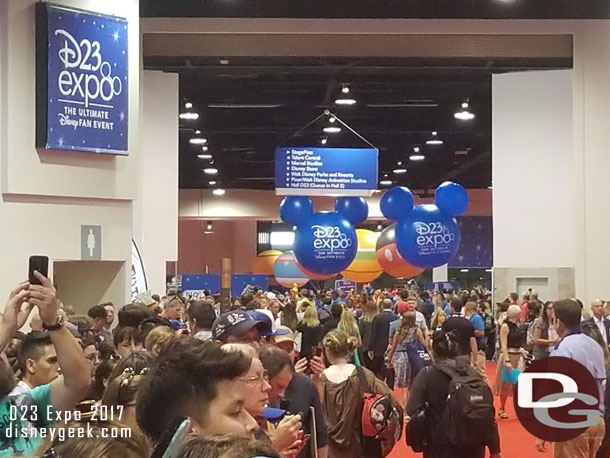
column 39, row 264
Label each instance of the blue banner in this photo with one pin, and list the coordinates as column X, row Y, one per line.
column 82, row 81
column 239, row 283
column 326, row 171
column 196, row 284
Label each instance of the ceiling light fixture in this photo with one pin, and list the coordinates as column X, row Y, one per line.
column 210, row 171
column 464, row 270
column 332, row 119
column 204, row 148
column 332, row 129
column 324, row 140
column 188, row 105
column 417, row 157
column 204, row 156
column 345, row 89
column 189, row 116
column 465, row 114
column 197, row 132
column 399, row 171
column 345, row 101
column 212, row 183
column 434, row 140
column 385, row 182
column 379, row 227
column 219, row 192
column 198, row 141
column 416, row 149
column 209, row 226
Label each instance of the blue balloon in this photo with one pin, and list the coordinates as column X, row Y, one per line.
column 452, row 198
column 428, row 237
column 295, row 209
column 396, row 203
column 325, row 243
column 355, row 209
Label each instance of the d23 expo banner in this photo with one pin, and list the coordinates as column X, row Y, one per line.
column 81, row 80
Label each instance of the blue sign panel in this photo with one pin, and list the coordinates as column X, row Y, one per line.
column 196, row 284
column 82, row 81
column 440, row 286
column 240, row 282
column 326, row 171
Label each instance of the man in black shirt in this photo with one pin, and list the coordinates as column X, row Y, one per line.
column 378, row 343
column 335, row 310
column 298, row 392
column 464, row 331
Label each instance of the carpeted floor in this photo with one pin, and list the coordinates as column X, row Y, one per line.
column 515, row 441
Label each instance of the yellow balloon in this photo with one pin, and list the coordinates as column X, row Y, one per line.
column 365, row 267
column 263, row 263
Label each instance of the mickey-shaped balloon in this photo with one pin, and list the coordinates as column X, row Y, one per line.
column 427, row 235
column 325, row 243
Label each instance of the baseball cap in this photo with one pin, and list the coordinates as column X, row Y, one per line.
column 267, row 326
column 233, row 323
column 287, row 335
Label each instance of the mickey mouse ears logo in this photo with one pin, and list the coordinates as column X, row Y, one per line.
column 325, row 242
column 427, row 235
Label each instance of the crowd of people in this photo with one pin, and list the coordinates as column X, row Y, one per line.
column 299, row 374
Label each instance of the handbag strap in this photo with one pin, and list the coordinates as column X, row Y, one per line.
column 362, row 381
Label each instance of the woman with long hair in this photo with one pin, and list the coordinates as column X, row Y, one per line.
column 342, row 401
column 544, row 332
column 512, row 340
column 348, row 324
column 407, row 332
column 311, row 331
column 289, row 316
column 364, row 326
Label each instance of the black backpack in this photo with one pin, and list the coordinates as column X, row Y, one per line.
column 470, row 415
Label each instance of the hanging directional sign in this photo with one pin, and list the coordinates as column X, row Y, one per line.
column 326, row 171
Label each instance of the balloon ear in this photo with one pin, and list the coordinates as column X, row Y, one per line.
column 396, row 203
column 355, row 209
column 295, row 209
column 452, row 198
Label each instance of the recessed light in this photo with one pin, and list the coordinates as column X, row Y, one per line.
column 198, row 141
column 224, row 61
column 210, row 171
column 212, row 183
column 188, row 105
column 189, row 116
column 464, row 270
column 399, row 171
column 332, row 119
column 345, row 89
column 204, row 148
column 324, row 140
column 385, row 182
column 197, row 132
column 332, row 129
column 219, row 192
column 204, row 156
column 434, row 140
column 345, row 101
column 417, row 157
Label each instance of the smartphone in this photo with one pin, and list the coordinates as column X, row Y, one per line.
column 39, row 263
column 304, row 442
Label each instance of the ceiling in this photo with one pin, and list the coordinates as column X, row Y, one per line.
column 248, row 106
column 477, row 9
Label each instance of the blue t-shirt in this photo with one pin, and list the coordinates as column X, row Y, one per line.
column 16, row 438
column 479, row 325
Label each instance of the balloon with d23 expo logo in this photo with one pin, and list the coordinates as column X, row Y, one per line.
column 325, row 243
column 428, row 235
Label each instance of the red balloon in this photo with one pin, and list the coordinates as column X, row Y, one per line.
column 389, row 258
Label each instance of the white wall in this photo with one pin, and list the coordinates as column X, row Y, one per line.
column 156, row 207
column 532, row 162
column 46, row 196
